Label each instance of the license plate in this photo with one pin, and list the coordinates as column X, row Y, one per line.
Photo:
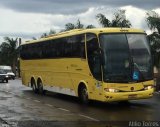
column 132, row 96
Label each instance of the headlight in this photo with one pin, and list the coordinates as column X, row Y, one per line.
column 148, row 87
column 6, row 76
column 111, row 90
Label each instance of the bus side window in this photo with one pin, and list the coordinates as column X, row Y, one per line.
column 93, row 55
column 78, row 46
column 68, row 47
column 22, row 52
column 82, row 46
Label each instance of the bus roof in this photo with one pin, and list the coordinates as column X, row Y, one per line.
column 81, row 31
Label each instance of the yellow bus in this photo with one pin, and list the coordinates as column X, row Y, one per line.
column 104, row 64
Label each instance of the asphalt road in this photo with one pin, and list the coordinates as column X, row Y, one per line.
column 20, row 107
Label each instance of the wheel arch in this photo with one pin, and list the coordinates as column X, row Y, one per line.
column 39, row 79
column 81, row 84
column 33, row 79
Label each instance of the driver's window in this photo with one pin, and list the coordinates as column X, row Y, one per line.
column 93, row 54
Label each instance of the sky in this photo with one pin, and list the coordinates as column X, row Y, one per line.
column 31, row 18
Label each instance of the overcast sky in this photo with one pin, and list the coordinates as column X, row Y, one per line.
column 31, row 18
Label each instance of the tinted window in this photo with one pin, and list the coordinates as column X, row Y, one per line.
column 73, row 46
column 141, row 55
column 78, row 46
column 116, row 56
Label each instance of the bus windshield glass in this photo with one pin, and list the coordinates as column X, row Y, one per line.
column 127, row 58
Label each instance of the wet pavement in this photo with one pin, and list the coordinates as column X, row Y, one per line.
column 20, row 107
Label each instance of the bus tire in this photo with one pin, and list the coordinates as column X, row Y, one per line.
column 83, row 94
column 33, row 85
column 40, row 87
column 126, row 102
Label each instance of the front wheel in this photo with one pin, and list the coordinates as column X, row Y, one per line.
column 126, row 102
column 84, row 95
column 6, row 80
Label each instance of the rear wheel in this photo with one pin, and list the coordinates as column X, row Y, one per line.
column 83, row 95
column 33, row 85
column 40, row 87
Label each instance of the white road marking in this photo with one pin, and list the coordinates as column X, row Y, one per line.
column 157, row 92
column 88, row 117
column 8, row 92
column 12, row 93
column 28, row 98
column 36, row 100
column 49, row 105
column 63, row 109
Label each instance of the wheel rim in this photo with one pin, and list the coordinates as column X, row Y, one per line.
column 84, row 95
column 33, row 87
column 40, row 87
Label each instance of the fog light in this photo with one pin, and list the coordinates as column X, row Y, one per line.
column 148, row 87
column 111, row 90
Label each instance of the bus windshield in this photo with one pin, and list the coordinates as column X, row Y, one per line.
column 127, row 58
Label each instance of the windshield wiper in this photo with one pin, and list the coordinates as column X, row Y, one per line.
column 118, row 78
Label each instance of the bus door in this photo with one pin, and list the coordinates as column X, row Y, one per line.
column 94, row 62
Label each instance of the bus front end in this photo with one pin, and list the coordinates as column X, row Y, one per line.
column 127, row 66
column 131, row 91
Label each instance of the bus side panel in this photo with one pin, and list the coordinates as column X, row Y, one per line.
column 79, row 71
column 53, row 72
column 62, row 74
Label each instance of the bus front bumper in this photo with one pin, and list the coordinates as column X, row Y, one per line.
column 122, row 96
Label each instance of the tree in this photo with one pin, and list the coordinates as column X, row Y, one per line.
column 9, row 52
column 103, row 20
column 0, row 58
column 119, row 20
column 78, row 25
column 46, row 34
column 153, row 21
column 52, row 32
column 90, row 27
column 69, row 26
column 34, row 38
